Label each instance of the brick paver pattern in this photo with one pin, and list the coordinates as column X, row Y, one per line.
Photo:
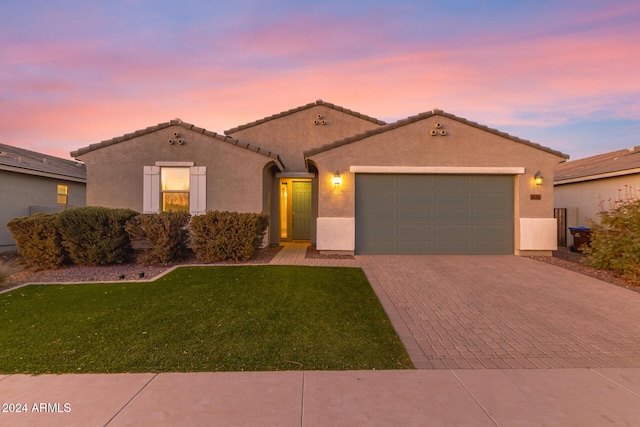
column 497, row 312
column 505, row 312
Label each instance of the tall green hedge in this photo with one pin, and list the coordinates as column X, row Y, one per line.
column 223, row 235
column 38, row 241
column 166, row 233
column 96, row 235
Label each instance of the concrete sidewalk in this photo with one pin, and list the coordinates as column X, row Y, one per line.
column 472, row 397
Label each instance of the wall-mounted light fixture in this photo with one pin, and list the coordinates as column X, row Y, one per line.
column 337, row 179
column 538, row 178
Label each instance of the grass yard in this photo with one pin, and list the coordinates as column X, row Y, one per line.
column 232, row 318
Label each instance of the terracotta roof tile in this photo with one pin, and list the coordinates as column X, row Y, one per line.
column 615, row 163
column 302, row 108
column 422, row 116
column 178, row 122
column 33, row 163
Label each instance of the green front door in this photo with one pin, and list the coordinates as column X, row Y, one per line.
column 301, row 210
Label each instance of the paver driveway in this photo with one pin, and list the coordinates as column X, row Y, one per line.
column 505, row 312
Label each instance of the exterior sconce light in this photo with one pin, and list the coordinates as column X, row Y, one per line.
column 538, row 178
column 337, row 180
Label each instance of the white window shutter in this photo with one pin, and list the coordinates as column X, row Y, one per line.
column 151, row 190
column 198, row 190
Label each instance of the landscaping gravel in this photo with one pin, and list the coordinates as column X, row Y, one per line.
column 87, row 274
column 561, row 258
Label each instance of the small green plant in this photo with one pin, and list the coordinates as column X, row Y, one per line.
column 615, row 240
column 38, row 240
column 95, row 235
column 219, row 236
column 166, row 233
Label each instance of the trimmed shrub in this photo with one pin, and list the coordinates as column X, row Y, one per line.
column 615, row 241
column 38, row 241
column 166, row 233
column 219, row 236
column 95, row 235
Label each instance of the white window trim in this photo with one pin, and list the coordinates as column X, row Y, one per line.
column 197, row 187
column 175, row 164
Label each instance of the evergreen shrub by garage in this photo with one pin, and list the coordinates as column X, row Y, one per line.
column 223, row 235
column 38, row 241
column 166, row 233
column 95, row 235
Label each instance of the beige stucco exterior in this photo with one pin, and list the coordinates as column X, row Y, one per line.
column 463, row 149
column 234, row 175
column 256, row 167
column 292, row 134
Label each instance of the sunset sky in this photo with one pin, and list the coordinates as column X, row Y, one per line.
column 564, row 74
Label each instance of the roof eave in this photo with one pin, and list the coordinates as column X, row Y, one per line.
column 302, row 108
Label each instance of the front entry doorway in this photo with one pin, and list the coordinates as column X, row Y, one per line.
column 295, row 209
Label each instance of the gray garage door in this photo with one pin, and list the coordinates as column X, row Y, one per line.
column 434, row 214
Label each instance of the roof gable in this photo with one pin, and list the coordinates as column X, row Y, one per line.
column 423, row 116
column 615, row 163
column 302, row 108
column 19, row 160
column 178, row 122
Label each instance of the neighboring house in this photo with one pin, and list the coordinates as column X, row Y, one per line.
column 586, row 186
column 32, row 183
column 432, row 183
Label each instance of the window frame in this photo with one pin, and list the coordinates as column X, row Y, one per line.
column 62, row 195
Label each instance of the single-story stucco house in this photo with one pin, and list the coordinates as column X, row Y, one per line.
column 433, row 183
column 586, row 186
column 32, row 183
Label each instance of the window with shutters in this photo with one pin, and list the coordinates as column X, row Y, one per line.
column 172, row 186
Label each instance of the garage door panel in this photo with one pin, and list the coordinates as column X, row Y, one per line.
column 412, row 215
column 413, row 247
column 489, row 215
column 452, row 183
column 434, row 214
column 453, row 231
column 491, row 232
column 413, row 182
column 456, row 198
column 414, row 198
column 453, row 247
column 490, row 198
column 379, row 199
column 416, row 231
column 453, row 214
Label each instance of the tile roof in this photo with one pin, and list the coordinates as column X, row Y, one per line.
column 422, row 116
column 615, row 163
column 178, row 122
column 19, row 160
column 305, row 107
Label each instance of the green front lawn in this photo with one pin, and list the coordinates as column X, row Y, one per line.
column 231, row 318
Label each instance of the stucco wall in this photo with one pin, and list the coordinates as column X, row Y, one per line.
column 22, row 194
column 234, row 174
column 586, row 196
column 413, row 145
column 292, row 134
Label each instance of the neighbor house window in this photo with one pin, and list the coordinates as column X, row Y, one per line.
column 174, row 188
column 63, row 194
